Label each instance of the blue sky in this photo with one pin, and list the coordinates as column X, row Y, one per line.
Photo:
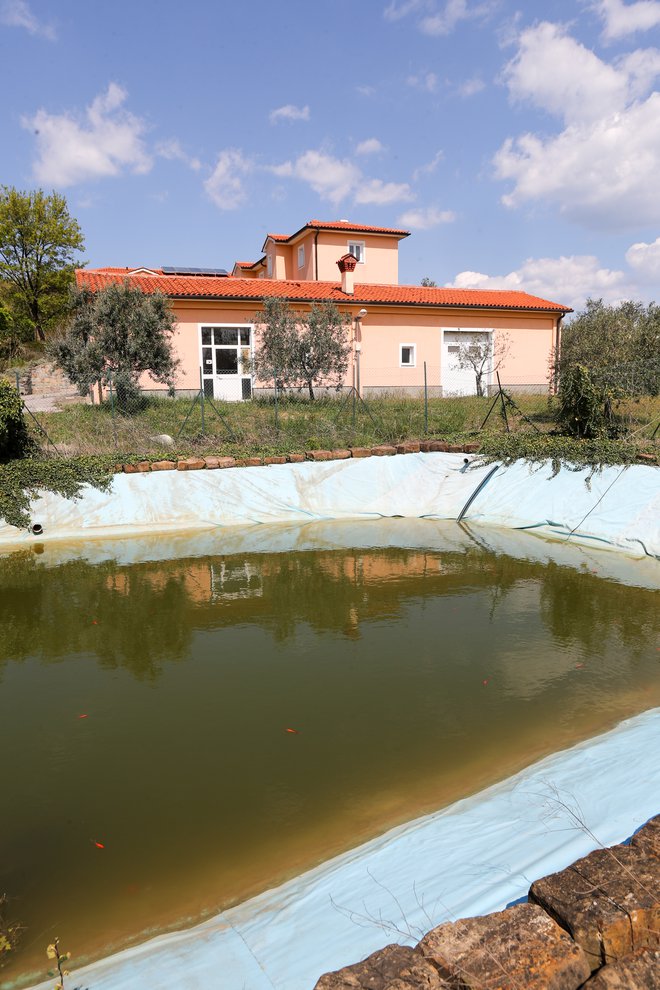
column 520, row 143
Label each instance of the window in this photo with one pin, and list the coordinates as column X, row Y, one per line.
column 356, row 248
column 269, row 265
column 407, row 356
column 301, row 256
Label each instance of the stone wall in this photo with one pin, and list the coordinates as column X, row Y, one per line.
column 595, row 925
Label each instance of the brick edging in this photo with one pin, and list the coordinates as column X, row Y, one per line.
column 215, row 462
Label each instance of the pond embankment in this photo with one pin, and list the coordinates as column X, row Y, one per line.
column 615, row 507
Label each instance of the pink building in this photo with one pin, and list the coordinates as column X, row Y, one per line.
column 400, row 332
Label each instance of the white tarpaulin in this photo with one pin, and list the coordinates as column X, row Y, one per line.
column 619, row 507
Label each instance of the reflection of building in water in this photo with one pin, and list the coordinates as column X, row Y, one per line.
column 240, row 580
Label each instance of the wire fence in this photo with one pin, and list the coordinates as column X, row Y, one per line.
column 381, row 406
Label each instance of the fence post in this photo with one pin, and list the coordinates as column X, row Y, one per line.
column 426, row 402
column 201, row 398
column 277, row 422
column 112, row 410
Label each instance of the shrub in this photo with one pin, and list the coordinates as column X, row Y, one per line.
column 15, row 440
column 585, row 406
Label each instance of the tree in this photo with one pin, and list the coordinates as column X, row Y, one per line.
column 300, row 352
column 116, row 335
column 482, row 358
column 428, row 283
column 38, row 242
column 621, row 343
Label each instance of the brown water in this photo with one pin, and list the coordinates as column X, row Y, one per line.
column 411, row 678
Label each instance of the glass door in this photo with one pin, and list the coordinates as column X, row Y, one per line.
column 226, row 353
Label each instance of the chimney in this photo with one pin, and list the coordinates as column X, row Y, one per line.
column 346, row 266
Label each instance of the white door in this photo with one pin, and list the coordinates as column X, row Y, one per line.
column 225, row 353
column 457, row 380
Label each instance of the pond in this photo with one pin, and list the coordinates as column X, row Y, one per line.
column 179, row 734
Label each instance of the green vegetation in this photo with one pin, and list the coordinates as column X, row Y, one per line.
column 15, row 441
column 116, row 335
column 22, row 480
column 38, row 245
column 621, row 343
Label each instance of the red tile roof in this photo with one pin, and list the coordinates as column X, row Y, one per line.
column 257, row 289
column 342, row 225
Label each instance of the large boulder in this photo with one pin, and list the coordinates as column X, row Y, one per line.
column 396, row 967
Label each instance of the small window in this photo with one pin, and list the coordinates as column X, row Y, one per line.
column 269, row 265
column 301, row 256
column 356, row 248
column 407, row 359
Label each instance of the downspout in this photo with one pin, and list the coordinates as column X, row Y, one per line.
column 316, row 256
column 557, row 351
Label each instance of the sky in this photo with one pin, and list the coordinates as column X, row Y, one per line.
column 518, row 142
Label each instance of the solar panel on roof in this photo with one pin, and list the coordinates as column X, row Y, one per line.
column 216, row 272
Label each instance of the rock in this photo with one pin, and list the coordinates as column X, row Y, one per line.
column 647, row 457
column 396, row 967
column 163, row 466
column 409, row 447
column 438, row 446
column 340, row 455
column 130, row 469
column 360, row 452
column 638, row 971
column 318, row 455
column 425, row 446
column 275, row 459
column 648, row 837
column 253, row 461
column 144, row 466
column 191, row 464
column 295, row 458
column 518, row 948
column 609, row 901
column 164, row 439
column 471, row 448
column 383, row 450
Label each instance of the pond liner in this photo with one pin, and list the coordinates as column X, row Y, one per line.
column 619, row 507
column 471, row 858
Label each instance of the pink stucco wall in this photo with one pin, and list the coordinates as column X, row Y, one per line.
column 381, row 265
column 384, row 329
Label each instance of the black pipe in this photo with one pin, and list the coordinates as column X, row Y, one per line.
column 474, row 494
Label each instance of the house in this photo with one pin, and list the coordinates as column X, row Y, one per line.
column 402, row 334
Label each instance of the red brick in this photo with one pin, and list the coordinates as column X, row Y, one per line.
column 383, row 450
column 360, row 451
column 318, row 455
column 340, row 455
column 275, row 459
column 295, row 458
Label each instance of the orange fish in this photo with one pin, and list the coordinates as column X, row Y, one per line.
column 485, row 682
column 99, row 845
column 83, row 716
column 293, row 732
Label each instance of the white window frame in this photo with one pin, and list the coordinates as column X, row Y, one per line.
column 238, row 326
column 409, row 364
column 361, row 251
column 269, row 265
column 301, row 256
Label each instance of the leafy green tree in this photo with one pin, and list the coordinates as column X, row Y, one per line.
column 116, row 335
column 621, row 343
column 38, row 243
column 302, row 352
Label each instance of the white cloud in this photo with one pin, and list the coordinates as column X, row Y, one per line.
column 331, row 178
column 382, row 193
column 645, row 260
column 288, row 112
column 426, row 81
column 396, row 10
column 602, row 168
column 444, row 21
column 471, row 86
column 429, row 167
column 621, row 19
column 172, row 151
column 366, row 90
column 225, row 185
column 426, row 217
column 370, row 146
column 103, row 142
column 568, row 280
column 17, row 13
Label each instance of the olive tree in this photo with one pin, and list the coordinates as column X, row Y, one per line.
column 116, row 335
column 483, row 357
column 297, row 351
